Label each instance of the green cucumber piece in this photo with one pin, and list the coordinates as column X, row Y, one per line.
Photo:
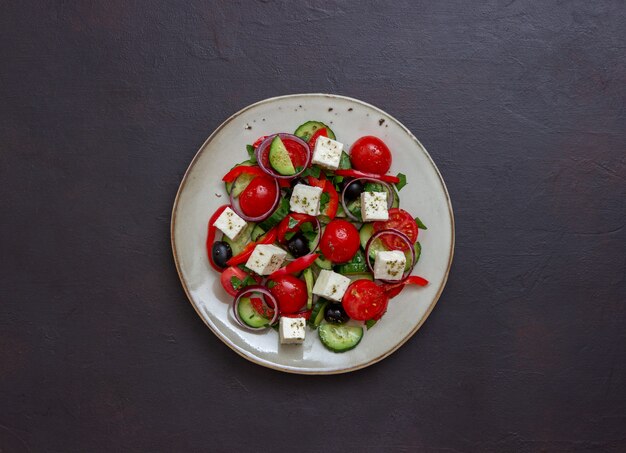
column 317, row 314
column 364, row 276
column 324, row 263
column 278, row 215
column 340, row 212
column 308, row 278
column 242, row 240
column 366, row 232
column 249, row 315
column 355, row 208
column 305, row 131
column 240, row 184
column 356, row 265
column 340, row 337
column 279, row 157
column 396, row 199
column 257, row 232
column 229, row 185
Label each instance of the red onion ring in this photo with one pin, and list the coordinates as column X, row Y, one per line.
column 344, row 203
column 266, row 295
column 234, row 202
column 318, row 227
column 260, row 150
column 402, row 236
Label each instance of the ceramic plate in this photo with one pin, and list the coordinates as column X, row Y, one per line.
column 202, row 191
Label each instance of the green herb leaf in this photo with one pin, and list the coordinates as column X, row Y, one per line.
column 344, row 162
column 298, row 169
column 289, row 235
column 310, row 235
column 311, row 171
column 292, row 223
column 236, row 282
column 369, row 324
column 306, row 227
column 271, row 284
column 248, row 281
column 324, row 199
column 420, row 225
column 250, row 150
column 402, row 183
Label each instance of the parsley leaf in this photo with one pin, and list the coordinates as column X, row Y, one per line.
column 311, row 171
column 344, row 162
column 402, row 183
column 271, row 284
column 306, row 226
column 236, row 282
column 369, row 324
column 420, row 225
column 289, row 235
column 310, row 235
column 324, row 199
column 251, row 155
column 292, row 223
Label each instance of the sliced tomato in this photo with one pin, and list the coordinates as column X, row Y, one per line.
column 399, row 220
column 297, row 153
column 365, row 300
column 333, row 197
column 227, row 276
column 318, row 133
column 259, row 196
column 261, row 308
column 295, row 220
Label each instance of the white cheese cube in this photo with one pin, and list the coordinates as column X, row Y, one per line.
column 305, row 199
column 230, row 223
column 374, row 206
column 389, row 265
column 292, row 330
column 266, row 259
column 327, row 153
column 331, row 285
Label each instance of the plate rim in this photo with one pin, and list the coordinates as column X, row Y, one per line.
column 267, row 363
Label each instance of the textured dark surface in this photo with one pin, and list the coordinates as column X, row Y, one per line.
column 520, row 103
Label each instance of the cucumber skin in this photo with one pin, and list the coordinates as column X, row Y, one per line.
column 245, row 317
column 317, row 314
column 356, row 265
column 331, row 344
column 306, row 130
column 278, row 215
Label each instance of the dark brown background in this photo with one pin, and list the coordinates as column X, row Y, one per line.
column 520, row 103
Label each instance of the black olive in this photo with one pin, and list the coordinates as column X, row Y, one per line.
column 336, row 314
column 221, row 252
column 298, row 246
column 354, row 190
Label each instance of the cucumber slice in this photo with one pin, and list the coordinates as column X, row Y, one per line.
column 257, row 232
column 355, row 208
column 249, row 315
column 356, row 265
column 340, row 212
column 242, row 240
column 308, row 278
column 317, row 314
column 396, row 199
column 278, row 215
column 279, row 157
column 324, row 263
column 240, row 184
column 229, row 185
column 340, row 337
column 305, row 131
column 364, row 276
column 365, row 233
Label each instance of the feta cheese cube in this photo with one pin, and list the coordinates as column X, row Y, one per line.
column 265, row 259
column 305, row 199
column 389, row 265
column 331, row 285
column 374, row 206
column 327, row 153
column 230, row 223
column 292, row 330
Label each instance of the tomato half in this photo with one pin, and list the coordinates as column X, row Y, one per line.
column 228, row 274
column 340, row 241
column 364, row 300
column 297, row 153
column 258, row 197
column 370, row 154
column 290, row 293
column 296, row 220
column 399, row 220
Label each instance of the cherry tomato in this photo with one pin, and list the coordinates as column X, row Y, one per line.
column 258, row 197
column 370, row 154
column 228, row 274
column 290, row 293
column 318, row 133
column 399, row 220
column 340, row 241
column 296, row 220
column 297, row 153
column 364, row 300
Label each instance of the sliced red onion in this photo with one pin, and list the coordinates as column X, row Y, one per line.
column 402, row 236
column 344, row 203
column 318, row 228
column 235, row 206
column 266, row 295
column 264, row 146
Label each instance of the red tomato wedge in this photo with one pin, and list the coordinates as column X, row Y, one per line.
column 399, row 220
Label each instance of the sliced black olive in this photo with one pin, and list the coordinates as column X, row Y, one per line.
column 354, row 190
column 221, row 253
column 298, row 246
column 336, row 314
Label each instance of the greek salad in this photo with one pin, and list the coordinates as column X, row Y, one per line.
column 313, row 237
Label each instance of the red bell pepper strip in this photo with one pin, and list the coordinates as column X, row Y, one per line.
column 210, row 237
column 329, row 188
column 297, row 265
column 319, row 133
column 241, row 169
column 361, row 174
column 267, row 238
column 394, row 289
column 283, row 183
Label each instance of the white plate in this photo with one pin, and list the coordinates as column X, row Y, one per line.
column 202, row 191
